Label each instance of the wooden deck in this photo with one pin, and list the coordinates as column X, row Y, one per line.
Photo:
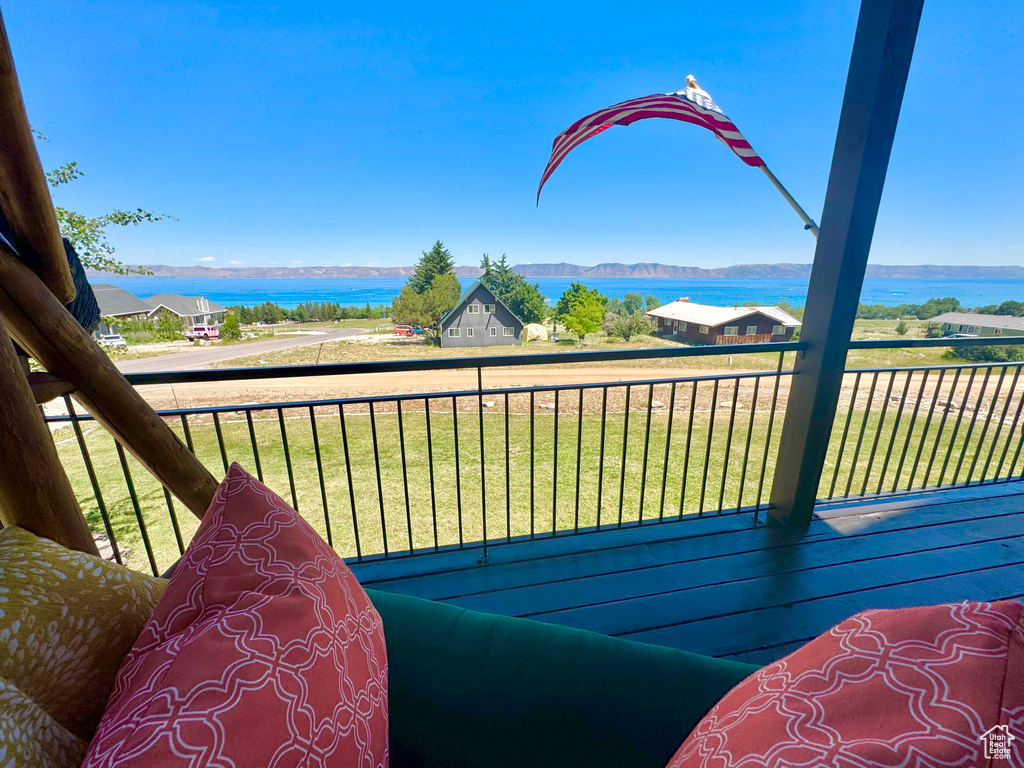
column 726, row 587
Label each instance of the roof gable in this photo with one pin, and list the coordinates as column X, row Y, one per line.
column 114, row 301
column 182, row 305
column 465, row 297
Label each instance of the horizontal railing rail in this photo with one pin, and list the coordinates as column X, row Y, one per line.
column 408, row 474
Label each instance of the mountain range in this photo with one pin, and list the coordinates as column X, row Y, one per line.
column 563, row 269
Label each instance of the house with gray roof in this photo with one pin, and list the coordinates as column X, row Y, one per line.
column 117, row 304
column 707, row 324
column 193, row 310
column 479, row 319
column 978, row 324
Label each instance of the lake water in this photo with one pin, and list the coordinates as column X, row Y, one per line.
column 288, row 292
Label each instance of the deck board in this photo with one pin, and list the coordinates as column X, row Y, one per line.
column 725, row 586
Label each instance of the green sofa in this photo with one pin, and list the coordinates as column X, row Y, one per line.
column 476, row 689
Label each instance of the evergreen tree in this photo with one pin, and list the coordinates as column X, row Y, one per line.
column 523, row 299
column 231, row 329
column 436, row 261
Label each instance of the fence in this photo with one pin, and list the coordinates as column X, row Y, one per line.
column 414, row 474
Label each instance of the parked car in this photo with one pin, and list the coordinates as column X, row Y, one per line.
column 202, row 332
column 404, row 330
column 114, row 340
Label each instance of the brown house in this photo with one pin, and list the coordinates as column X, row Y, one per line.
column 707, row 324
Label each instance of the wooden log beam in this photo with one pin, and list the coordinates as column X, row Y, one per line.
column 46, row 387
column 40, row 323
column 34, row 491
column 24, row 195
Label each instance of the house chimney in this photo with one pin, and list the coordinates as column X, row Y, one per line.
column 684, row 298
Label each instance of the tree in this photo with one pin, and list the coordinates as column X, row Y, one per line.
column 631, row 303
column 426, row 309
column 652, row 303
column 170, row 327
column 436, row 261
column 585, row 316
column 935, row 307
column 797, row 312
column 575, row 293
column 985, row 354
column 637, row 324
column 231, row 330
column 902, row 328
column 1014, row 308
column 523, row 299
column 88, row 234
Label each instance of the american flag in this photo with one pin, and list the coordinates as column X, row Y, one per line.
column 692, row 105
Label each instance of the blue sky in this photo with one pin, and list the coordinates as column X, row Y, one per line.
column 358, row 133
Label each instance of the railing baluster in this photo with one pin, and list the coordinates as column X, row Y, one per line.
column 1016, row 455
column 533, row 453
column 668, row 448
column 647, row 443
column 174, row 522
column 508, row 479
column 728, row 443
column 188, row 434
column 255, row 448
column 768, row 435
column 927, row 426
column 288, row 459
column 625, row 444
column 746, row 449
column 380, row 488
column 554, row 473
column 942, row 424
column 458, row 468
column 93, row 480
column 600, row 463
column 138, row 510
column 689, row 442
column 956, row 426
column 320, row 475
column 910, row 427
column 707, row 449
column 1009, row 437
column 988, row 420
column 842, row 442
column 351, row 487
column 999, row 426
column 430, row 469
column 878, row 433
column 483, row 479
column 220, row 442
column 579, row 457
column 860, row 436
column 970, row 428
column 405, row 474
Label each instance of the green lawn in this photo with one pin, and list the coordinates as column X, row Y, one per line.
column 535, row 503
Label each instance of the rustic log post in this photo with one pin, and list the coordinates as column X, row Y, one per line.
column 24, row 197
column 40, row 323
column 34, row 491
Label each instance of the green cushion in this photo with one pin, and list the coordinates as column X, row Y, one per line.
column 475, row 689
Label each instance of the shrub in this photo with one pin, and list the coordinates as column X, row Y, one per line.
column 231, row 330
column 985, row 354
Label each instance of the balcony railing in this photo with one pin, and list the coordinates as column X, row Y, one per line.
column 417, row 473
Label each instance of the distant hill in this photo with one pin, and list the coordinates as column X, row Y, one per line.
column 642, row 270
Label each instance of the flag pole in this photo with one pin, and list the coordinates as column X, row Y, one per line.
column 808, row 221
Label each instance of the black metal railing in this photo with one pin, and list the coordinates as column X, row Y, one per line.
column 417, row 473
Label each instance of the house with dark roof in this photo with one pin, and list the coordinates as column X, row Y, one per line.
column 480, row 320
column 707, row 324
column 117, row 304
column 193, row 310
column 978, row 324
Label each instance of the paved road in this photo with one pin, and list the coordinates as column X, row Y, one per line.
column 197, row 359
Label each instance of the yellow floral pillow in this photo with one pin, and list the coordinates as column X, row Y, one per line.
column 67, row 620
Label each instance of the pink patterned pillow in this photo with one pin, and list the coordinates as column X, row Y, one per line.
column 935, row 686
column 263, row 651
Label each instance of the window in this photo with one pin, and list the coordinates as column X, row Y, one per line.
column 731, row 330
column 705, row 329
column 469, row 331
column 494, row 331
column 488, row 309
column 682, row 326
column 473, row 309
column 508, row 332
column 778, row 330
column 751, row 330
column 454, row 333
